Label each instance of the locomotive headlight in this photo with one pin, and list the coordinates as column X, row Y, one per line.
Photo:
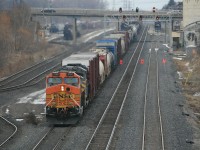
column 62, row 88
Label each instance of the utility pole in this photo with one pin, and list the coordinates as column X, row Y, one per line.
column 113, row 5
column 165, row 32
column 170, row 35
column 14, row 22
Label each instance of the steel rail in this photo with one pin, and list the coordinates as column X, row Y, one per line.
column 158, row 102
column 28, row 70
column 15, row 127
column 48, row 133
column 59, row 141
column 34, row 67
column 24, row 84
column 111, row 100
column 8, row 78
column 124, row 100
column 159, row 107
column 145, row 104
column 40, row 141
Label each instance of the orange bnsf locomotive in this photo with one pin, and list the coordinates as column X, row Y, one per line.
column 69, row 89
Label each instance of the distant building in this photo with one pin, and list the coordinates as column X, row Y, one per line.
column 191, row 11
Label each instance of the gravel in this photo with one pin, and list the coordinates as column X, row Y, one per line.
column 176, row 127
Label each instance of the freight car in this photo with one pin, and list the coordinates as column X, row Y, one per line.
column 71, row 88
column 111, row 46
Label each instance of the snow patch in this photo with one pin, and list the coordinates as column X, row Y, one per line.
column 166, row 45
column 34, row 98
column 177, row 58
column 190, row 46
column 19, row 120
column 187, row 64
column 197, row 94
column 97, row 33
column 180, row 74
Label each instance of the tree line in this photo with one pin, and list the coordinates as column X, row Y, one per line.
column 16, row 33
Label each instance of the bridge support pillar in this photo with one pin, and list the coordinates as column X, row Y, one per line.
column 74, row 30
column 171, row 39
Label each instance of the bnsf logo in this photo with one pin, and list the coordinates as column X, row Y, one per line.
column 62, row 96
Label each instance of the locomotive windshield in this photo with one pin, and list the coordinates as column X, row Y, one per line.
column 54, row 81
column 71, row 81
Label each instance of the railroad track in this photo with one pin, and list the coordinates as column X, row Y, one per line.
column 152, row 136
column 7, row 125
column 36, row 73
column 52, row 138
column 104, row 132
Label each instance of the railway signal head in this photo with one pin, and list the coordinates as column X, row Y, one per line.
column 137, row 9
column 154, row 9
column 157, row 17
column 120, row 10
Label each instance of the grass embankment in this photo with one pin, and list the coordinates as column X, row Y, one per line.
column 21, row 60
column 190, row 70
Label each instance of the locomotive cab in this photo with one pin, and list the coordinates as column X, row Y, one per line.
column 64, row 94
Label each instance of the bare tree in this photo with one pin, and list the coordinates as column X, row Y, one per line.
column 20, row 22
column 6, row 44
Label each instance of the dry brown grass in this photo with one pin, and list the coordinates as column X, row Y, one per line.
column 22, row 60
column 194, row 102
column 193, row 83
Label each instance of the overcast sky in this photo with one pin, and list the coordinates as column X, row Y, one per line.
column 142, row 4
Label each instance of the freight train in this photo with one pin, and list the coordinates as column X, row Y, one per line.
column 67, row 32
column 81, row 25
column 70, row 89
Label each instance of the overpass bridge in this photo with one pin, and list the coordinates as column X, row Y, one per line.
column 108, row 15
column 76, row 13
